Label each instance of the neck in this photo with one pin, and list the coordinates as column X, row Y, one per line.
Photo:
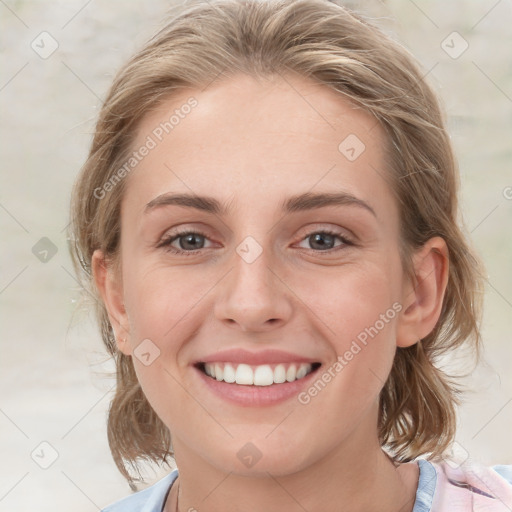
column 356, row 476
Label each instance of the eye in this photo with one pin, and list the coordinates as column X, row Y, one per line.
column 324, row 240
column 189, row 242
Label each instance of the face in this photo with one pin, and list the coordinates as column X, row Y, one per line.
column 277, row 272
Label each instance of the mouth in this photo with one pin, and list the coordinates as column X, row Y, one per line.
column 257, row 375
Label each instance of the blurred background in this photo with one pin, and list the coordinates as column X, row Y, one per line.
column 57, row 61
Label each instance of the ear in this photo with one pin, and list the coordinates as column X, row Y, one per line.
column 110, row 287
column 422, row 300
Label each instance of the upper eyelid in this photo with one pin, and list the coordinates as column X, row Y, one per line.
column 319, row 228
column 167, row 239
column 179, row 231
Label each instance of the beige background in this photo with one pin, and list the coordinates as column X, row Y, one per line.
column 53, row 383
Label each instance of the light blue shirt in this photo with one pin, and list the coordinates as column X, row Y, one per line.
column 153, row 498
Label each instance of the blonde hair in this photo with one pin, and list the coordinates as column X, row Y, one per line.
column 327, row 43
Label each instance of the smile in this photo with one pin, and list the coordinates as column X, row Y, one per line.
column 260, row 375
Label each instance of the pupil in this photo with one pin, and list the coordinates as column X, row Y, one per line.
column 189, row 239
column 317, row 238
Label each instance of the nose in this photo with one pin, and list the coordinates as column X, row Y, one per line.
column 253, row 297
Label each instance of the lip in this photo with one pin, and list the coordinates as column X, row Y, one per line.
column 239, row 355
column 255, row 396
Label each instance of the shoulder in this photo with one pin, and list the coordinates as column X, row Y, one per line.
column 447, row 486
column 151, row 499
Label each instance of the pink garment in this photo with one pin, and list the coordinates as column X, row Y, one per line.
column 470, row 487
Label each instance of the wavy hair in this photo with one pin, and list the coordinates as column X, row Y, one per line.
column 327, row 43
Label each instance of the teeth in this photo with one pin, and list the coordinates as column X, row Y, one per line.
column 262, row 375
column 244, row 375
column 229, row 374
column 291, row 374
column 279, row 374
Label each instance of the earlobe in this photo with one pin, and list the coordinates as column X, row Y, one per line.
column 423, row 299
column 109, row 285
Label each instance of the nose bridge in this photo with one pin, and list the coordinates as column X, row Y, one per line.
column 252, row 262
column 252, row 295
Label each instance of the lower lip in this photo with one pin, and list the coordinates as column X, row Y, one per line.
column 255, row 396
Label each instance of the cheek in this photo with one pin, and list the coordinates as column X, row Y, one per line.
column 164, row 306
column 159, row 298
column 346, row 303
column 359, row 313
column 340, row 310
column 348, row 310
column 352, row 299
column 158, row 310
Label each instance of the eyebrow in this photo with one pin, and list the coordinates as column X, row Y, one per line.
column 300, row 202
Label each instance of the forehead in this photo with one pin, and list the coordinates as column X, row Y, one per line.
column 252, row 142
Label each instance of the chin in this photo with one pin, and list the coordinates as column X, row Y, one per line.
column 259, row 457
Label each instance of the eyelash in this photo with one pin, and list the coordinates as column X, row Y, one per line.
column 166, row 242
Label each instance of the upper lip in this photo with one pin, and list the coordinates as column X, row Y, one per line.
column 239, row 355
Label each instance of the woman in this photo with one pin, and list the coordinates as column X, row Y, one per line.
column 268, row 216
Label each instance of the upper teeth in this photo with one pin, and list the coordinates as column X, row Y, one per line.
column 262, row 375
